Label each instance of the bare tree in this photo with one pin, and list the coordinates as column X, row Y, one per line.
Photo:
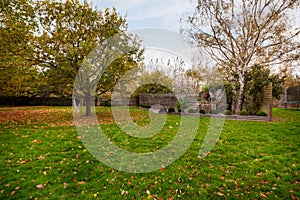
column 240, row 33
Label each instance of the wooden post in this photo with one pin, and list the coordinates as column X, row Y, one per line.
column 285, row 98
column 271, row 102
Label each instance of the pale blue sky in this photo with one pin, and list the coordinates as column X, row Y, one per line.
column 163, row 14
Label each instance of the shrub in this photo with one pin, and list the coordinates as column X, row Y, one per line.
column 243, row 113
column 251, row 110
column 213, row 112
column 261, row 113
column 201, row 111
column 65, row 101
column 222, row 108
column 182, row 104
column 145, row 106
column 106, row 102
column 191, row 110
column 162, row 110
column 228, row 112
column 171, row 110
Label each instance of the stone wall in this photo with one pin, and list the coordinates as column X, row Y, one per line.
column 166, row 100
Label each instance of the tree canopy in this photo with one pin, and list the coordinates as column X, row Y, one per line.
column 44, row 43
column 17, row 26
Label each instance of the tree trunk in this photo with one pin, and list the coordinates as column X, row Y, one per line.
column 233, row 104
column 240, row 101
column 234, row 99
column 240, row 97
column 76, row 105
column 88, row 111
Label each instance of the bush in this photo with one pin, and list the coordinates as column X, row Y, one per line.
column 201, row 111
column 65, row 101
column 251, row 110
column 145, row 106
column 35, row 101
column 191, row 110
column 213, row 112
column 106, row 102
column 182, row 105
column 244, row 113
column 162, row 110
column 261, row 113
column 171, row 110
column 222, row 108
column 227, row 112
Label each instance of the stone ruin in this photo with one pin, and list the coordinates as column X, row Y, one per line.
column 216, row 101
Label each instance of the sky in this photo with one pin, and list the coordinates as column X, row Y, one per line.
column 164, row 14
column 145, row 16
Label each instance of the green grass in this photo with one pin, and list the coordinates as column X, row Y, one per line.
column 40, row 145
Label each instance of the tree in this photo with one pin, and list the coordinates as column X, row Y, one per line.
column 194, row 79
column 257, row 79
column 238, row 34
column 291, row 79
column 69, row 32
column 104, row 67
column 154, row 82
column 18, row 77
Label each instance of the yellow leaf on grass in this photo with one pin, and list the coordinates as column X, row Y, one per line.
column 220, row 194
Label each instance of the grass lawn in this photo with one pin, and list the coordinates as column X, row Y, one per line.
column 42, row 157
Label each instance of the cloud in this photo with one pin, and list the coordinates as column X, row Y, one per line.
column 151, row 13
column 129, row 4
column 162, row 8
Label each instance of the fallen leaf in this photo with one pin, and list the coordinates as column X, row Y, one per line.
column 263, row 195
column 41, row 157
column 39, row 186
column 264, row 181
column 37, row 141
column 220, row 194
column 259, row 174
column 123, row 192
